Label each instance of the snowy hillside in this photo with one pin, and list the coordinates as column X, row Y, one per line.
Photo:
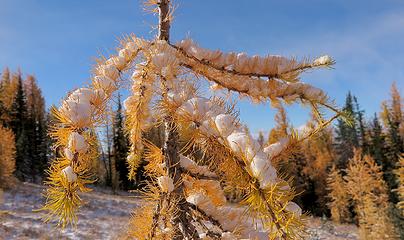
column 104, row 216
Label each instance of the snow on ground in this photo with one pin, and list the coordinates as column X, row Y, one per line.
column 104, row 216
column 322, row 229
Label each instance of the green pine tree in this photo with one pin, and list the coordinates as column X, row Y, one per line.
column 120, row 148
column 393, row 150
column 377, row 146
column 36, row 128
column 361, row 126
column 49, row 121
column 19, row 127
column 392, row 116
column 346, row 135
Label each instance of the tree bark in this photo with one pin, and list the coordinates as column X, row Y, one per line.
column 183, row 228
column 164, row 20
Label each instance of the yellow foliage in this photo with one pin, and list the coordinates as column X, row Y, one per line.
column 282, row 126
column 62, row 196
column 400, row 177
column 154, row 157
column 368, row 191
column 164, row 72
column 319, row 155
column 268, row 204
column 7, row 157
column 141, row 222
column 8, row 89
column 339, row 198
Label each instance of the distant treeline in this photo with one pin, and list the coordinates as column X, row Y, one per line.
column 22, row 109
column 26, row 142
column 350, row 171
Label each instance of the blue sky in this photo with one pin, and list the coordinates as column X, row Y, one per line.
column 57, row 41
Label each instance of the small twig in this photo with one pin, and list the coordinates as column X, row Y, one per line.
column 205, row 216
column 156, row 216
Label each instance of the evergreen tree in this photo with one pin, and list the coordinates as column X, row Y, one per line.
column 392, row 116
column 49, row 121
column 361, row 126
column 106, row 149
column 22, row 108
column 378, row 143
column 19, row 127
column 121, row 148
column 346, row 135
column 392, row 141
column 36, row 128
column 304, row 184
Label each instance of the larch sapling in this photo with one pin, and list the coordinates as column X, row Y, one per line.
column 369, row 193
column 338, row 194
column 185, row 198
column 7, row 158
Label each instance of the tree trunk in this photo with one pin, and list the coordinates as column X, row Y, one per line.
column 164, row 20
column 183, row 228
column 109, row 157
